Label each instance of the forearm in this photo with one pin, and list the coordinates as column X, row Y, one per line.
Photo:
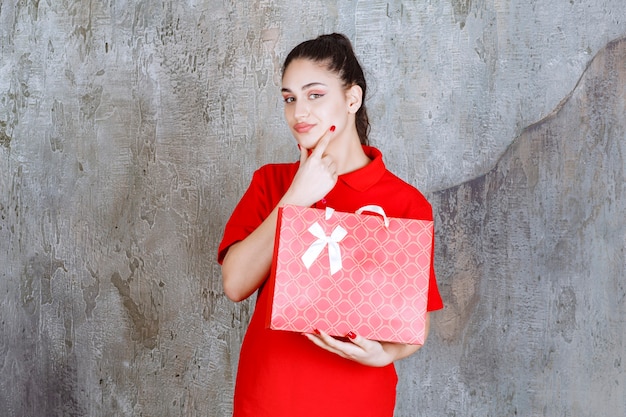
column 397, row 351
column 247, row 262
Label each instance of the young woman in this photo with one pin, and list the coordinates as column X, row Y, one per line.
column 287, row 374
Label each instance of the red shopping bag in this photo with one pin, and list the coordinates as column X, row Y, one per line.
column 341, row 272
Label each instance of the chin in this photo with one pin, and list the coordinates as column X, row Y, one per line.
column 308, row 144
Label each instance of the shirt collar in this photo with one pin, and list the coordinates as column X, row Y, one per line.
column 370, row 174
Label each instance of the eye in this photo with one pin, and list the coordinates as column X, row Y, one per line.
column 288, row 99
column 314, row 96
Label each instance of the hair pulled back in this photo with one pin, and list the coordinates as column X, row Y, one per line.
column 336, row 52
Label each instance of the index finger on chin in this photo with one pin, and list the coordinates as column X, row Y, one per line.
column 323, row 142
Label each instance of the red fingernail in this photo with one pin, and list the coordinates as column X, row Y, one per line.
column 332, row 128
column 316, row 331
column 351, row 335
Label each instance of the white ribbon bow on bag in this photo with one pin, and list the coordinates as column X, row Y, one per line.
column 334, row 252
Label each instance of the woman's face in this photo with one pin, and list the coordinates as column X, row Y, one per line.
column 315, row 100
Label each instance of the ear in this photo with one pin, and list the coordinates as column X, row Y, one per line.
column 354, row 98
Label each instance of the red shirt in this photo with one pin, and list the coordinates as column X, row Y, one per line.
column 282, row 374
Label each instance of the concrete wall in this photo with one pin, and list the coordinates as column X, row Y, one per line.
column 129, row 130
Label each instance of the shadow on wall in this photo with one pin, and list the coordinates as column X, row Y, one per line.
column 531, row 259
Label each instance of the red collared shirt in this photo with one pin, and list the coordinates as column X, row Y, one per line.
column 282, row 373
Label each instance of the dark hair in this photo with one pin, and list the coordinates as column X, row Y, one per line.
column 335, row 51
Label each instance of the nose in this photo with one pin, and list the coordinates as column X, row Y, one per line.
column 301, row 109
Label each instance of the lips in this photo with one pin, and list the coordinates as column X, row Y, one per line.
column 303, row 127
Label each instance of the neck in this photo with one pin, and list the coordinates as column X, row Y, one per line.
column 348, row 154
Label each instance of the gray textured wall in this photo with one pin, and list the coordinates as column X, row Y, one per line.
column 129, row 129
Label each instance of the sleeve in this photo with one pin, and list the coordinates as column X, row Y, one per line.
column 247, row 216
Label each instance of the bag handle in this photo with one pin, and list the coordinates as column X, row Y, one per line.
column 374, row 209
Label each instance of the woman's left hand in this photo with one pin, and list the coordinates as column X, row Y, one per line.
column 362, row 350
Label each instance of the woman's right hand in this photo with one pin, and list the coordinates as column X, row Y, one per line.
column 247, row 262
column 316, row 176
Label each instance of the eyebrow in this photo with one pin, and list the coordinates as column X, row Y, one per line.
column 304, row 87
